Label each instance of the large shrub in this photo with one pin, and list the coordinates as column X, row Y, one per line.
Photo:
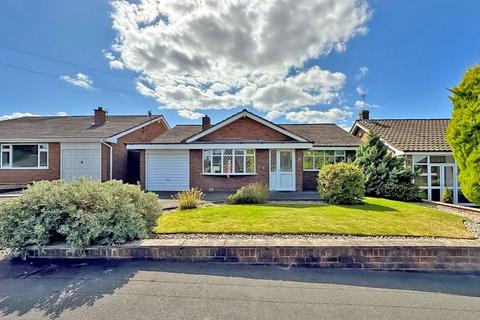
column 386, row 176
column 463, row 133
column 251, row 193
column 189, row 199
column 341, row 183
column 82, row 213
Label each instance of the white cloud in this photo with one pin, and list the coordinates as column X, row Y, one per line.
column 314, row 116
column 113, row 62
column 79, row 80
column 196, row 55
column 361, row 104
column 362, row 72
column 361, row 91
column 15, row 115
column 190, row 114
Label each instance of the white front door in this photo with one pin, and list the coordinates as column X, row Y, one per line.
column 282, row 170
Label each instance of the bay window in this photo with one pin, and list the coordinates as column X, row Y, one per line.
column 314, row 160
column 24, row 156
column 229, row 161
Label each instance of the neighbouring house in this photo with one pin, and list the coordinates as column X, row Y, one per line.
column 66, row 147
column 241, row 149
column 423, row 144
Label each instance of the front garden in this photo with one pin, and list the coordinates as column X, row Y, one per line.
column 376, row 217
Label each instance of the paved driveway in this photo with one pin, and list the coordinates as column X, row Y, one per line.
column 155, row 290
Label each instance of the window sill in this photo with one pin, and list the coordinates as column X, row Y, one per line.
column 311, row 170
column 229, row 174
column 24, row 168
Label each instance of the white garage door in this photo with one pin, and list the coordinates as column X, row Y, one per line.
column 81, row 163
column 167, row 170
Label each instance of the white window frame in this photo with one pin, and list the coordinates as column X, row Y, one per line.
column 313, row 158
column 41, row 147
column 233, row 173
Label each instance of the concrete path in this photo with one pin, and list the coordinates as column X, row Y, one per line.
column 152, row 290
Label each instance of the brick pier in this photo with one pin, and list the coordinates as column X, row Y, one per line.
column 375, row 254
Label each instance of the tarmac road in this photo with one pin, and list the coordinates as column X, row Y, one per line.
column 159, row 290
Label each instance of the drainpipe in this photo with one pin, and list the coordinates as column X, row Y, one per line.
column 111, row 159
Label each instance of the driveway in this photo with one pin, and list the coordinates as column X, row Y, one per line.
column 156, row 290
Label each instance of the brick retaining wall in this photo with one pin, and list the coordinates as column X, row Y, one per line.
column 377, row 257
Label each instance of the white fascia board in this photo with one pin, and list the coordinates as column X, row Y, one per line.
column 251, row 116
column 200, row 146
column 114, row 139
column 335, row 148
column 427, row 153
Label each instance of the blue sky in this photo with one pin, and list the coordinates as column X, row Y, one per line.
column 413, row 50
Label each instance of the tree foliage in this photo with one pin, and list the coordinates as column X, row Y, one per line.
column 385, row 175
column 463, row 134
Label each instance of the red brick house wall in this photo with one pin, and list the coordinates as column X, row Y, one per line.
column 245, row 129
column 120, row 152
column 26, row 176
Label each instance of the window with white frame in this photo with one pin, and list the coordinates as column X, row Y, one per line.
column 24, row 156
column 314, row 160
column 229, row 161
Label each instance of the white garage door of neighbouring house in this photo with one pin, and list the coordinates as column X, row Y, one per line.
column 167, row 170
column 81, row 160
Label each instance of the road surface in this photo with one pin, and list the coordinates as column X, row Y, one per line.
column 154, row 290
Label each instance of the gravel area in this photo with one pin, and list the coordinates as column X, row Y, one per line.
column 281, row 236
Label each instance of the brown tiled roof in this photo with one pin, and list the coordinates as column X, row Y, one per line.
column 411, row 135
column 67, row 127
column 324, row 134
column 178, row 134
column 319, row 134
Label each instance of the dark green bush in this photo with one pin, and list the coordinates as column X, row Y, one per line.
column 251, row 193
column 82, row 213
column 386, row 176
column 447, row 196
column 341, row 183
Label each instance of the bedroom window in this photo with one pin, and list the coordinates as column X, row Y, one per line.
column 24, row 156
column 229, row 161
column 314, row 160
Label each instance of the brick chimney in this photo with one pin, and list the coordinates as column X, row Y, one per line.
column 205, row 122
column 99, row 116
column 364, row 115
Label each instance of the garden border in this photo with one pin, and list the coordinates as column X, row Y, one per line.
column 374, row 254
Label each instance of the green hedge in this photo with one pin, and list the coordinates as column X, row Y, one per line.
column 81, row 213
column 252, row 193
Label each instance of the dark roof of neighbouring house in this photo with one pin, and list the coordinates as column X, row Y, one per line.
column 319, row 134
column 411, row 135
column 62, row 127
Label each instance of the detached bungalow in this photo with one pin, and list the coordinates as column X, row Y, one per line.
column 423, row 144
column 49, row 148
column 241, row 149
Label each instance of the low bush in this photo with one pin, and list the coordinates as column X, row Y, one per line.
column 252, row 193
column 81, row 213
column 341, row 183
column 189, row 199
column 447, row 196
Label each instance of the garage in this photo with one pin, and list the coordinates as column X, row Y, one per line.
column 81, row 160
column 167, row 170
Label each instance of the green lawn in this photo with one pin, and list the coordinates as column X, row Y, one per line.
column 375, row 217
